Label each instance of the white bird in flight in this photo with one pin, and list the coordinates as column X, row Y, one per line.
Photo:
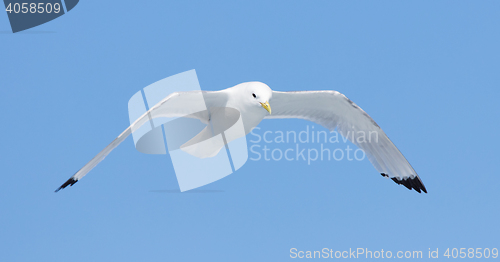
column 253, row 100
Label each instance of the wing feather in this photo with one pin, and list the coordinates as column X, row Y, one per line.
column 332, row 109
column 174, row 105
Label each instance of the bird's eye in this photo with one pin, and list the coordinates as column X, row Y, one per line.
column 254, row 96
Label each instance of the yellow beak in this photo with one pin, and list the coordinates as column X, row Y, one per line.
column 266, row 106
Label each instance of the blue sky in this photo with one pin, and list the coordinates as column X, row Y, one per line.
column 426, row 71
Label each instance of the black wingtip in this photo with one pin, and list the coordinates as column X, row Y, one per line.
column 70, row 182
column 410, row 183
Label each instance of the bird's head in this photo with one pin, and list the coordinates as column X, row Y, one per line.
column 258, row 94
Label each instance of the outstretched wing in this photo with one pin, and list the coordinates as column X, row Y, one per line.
column 179, row 104
column 332, row 109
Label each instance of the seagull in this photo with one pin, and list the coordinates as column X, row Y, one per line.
column 253, row 101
